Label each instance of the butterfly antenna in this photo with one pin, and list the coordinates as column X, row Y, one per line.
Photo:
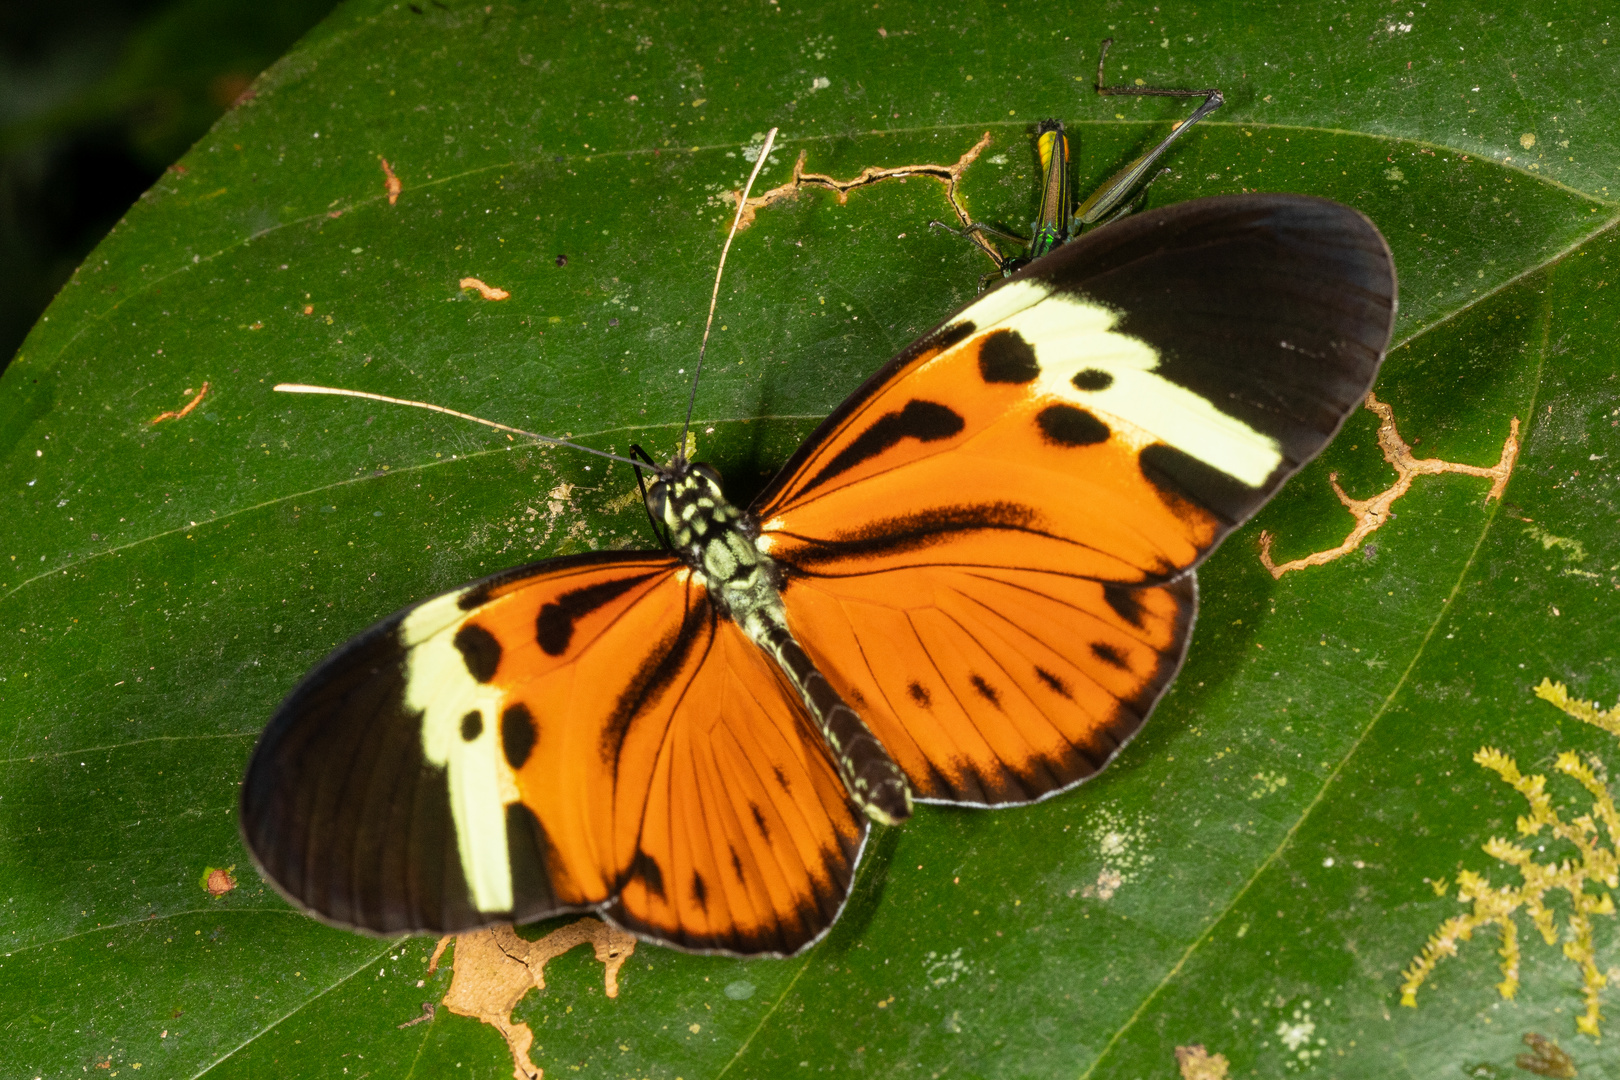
column 714, row 298
column 300, row 388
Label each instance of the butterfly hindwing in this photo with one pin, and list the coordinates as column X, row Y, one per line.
column 1039, row 475
column 583, row 733
column 993, row 686
column 747, row 840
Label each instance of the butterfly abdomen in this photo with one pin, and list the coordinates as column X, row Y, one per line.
column 718, row 542
column 873, row 779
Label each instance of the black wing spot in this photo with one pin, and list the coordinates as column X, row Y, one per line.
column 1066, row 425
column 1056, row 684
column 1092, row 379
column 914, row 532
column 781, row 779
column 700, row 891
column 1125, row 603
column 646, row 868
column 985, row 690
column 479, row 651
column 759, row 821
column 1109, row 655
column 554, row 626
column 925, row 421
column 1181, row 478
column 737, row 866
column 1005, row 357
column 518, row 734
column 553, row 629
column 472, row 725
column 919, row 694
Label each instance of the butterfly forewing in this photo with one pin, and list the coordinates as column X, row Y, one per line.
column 1010, row 510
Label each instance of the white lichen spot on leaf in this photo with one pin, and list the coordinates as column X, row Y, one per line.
column 943, row 970
column 1585, row 880
column 494, row 969
column 1107, row 884
column 1268, row 783
column 1574, row 550
column 1296, row 1031
column 1122, row 842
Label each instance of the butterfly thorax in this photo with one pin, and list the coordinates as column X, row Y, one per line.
column 719, row 543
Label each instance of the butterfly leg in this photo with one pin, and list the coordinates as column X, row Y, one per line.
column 870, row 775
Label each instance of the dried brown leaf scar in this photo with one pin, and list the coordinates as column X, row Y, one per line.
column 192, row 404
column 488, row 292
column 391, row 182
column 1370, row 514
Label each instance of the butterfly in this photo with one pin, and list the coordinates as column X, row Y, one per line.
column 969, row 586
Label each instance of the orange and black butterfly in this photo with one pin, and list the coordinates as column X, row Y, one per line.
column 970, row 585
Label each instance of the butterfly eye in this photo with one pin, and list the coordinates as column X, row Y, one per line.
column 657, row 499
column 707, row 470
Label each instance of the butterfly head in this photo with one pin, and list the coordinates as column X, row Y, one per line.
column 687, row 500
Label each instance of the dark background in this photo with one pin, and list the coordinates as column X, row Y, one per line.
column 97, row 98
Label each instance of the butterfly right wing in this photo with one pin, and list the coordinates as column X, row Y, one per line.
column 988, row 547
column 583, row 733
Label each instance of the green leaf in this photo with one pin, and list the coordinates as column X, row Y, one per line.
column 1252, row 874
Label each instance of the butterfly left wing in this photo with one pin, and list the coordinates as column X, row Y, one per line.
column 987, row 547
column 584, row 733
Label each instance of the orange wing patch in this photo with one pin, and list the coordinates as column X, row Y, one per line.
column 978, row 438
column 661, row 762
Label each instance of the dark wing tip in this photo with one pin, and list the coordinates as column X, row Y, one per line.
column 1275, row 308
column 341, row 812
